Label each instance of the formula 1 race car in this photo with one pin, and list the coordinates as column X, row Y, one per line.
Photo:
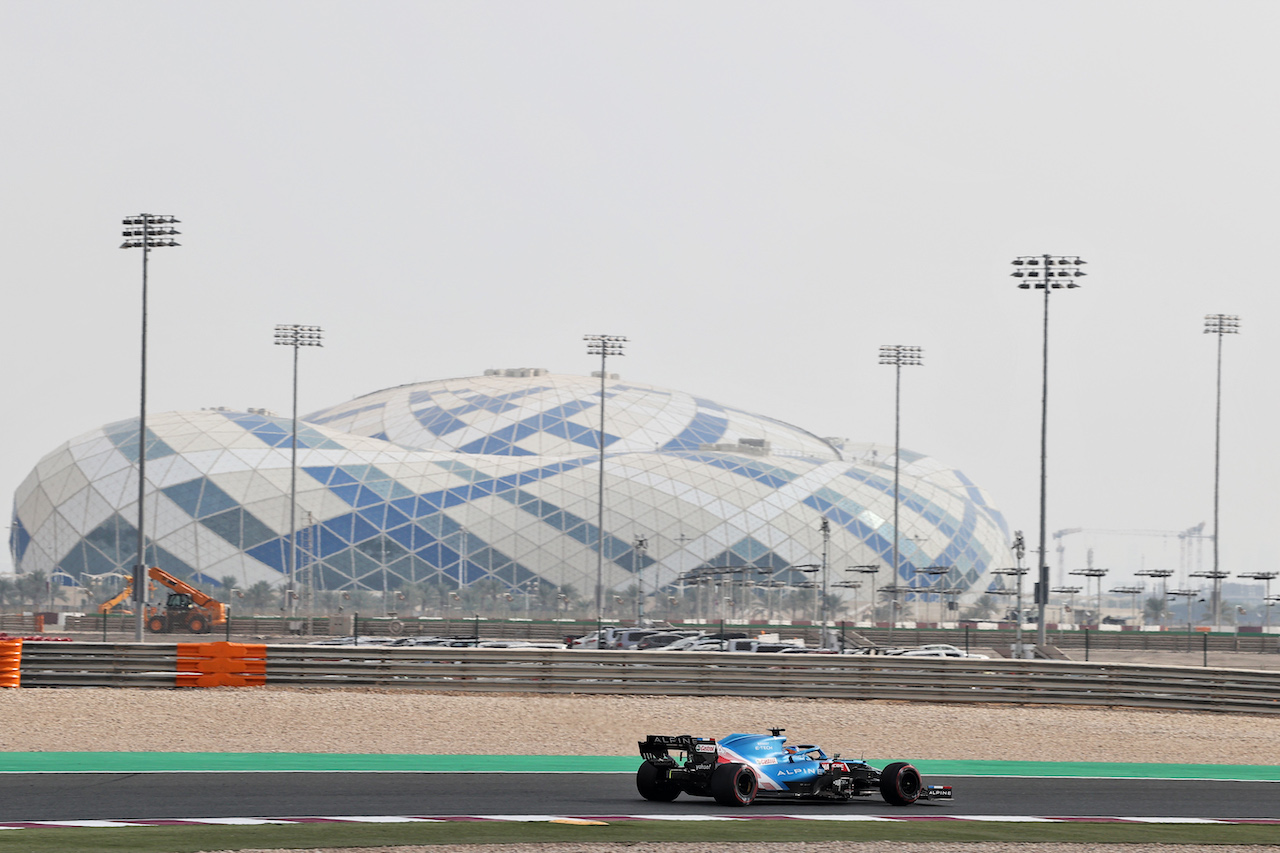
column 738, row 769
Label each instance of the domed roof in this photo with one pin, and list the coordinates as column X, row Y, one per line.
column 530, row 412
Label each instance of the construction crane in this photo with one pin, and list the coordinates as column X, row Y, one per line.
column 121, row 597
column 186, row 609
column 1192, row 536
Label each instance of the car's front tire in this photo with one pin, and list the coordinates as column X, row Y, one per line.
column 900, row 784
column 734, row 785
column 653, row 784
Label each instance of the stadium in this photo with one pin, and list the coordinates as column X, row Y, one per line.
column 496, row 479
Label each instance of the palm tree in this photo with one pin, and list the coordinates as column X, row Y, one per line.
column 984, row 608
column 1155, row 610
column 259, row 597
column 1226, row 611
column 35, row 588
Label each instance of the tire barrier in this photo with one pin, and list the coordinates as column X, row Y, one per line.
column 10, row 663
column 221, row 665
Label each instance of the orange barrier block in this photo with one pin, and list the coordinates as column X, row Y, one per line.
column 10, row 663
column 222, row 665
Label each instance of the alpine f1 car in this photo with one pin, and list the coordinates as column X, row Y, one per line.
column 738, row 769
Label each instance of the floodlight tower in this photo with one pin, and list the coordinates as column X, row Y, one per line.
column 146, row 231
column 1218, row 324
column 824, row 527
column 1047, row 270
column 898, row 357
column 293, row 335
column 603, row 346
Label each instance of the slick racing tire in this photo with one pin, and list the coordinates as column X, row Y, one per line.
column 653, row 784
column 734, row 785
column 900, row 784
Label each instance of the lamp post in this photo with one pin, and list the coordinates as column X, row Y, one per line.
column 1163, row 575
column 641, row 544
column 1134, row 590
column 824, row 527
column 1266, row 578
column 1188, row 594
column 808, row 569
column 1218, row 324
column 146, row 231
column 1050, row 272
column 866, row 570
column 1019, row 551
column 1098, row 575
column 293, row 335
column 898, row 357
column 894, row 591
column 603, row 346
column 1071, row 605
column 1214, row 599
column 935, row 572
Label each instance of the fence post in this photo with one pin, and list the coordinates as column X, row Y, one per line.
column 1086, row 643
column 1206, row 647
column 355, row 628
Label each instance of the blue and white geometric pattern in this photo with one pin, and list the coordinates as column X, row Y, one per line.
column 496, row 477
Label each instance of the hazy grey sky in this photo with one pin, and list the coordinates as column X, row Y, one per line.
column 758, row 194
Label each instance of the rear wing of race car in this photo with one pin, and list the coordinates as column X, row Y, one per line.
column 658, row 749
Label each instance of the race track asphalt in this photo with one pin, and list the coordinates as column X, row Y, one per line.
column 124, row 796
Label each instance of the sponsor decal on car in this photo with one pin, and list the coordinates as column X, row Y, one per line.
column 768, row 759
column 706, row 747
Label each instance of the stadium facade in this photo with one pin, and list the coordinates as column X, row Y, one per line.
column 496, row 477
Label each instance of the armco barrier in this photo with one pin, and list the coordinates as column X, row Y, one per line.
column 918, row 679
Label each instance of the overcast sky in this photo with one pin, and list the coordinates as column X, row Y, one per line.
column 758, row 195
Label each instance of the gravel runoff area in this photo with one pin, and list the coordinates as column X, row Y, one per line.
column 269, row 719
column 415, row 722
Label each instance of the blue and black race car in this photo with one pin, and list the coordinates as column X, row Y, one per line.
column 738, row 769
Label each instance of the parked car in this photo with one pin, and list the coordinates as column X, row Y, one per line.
column 613, row 637
column 940, row 650
column 664, row 638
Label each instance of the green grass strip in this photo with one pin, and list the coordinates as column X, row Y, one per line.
column 288, row 762
column 756, row 832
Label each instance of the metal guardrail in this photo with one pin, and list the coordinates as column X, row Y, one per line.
column 153, row 665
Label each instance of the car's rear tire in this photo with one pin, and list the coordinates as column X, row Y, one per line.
column 653, row 784
column 734, row 785
column 900, row 784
